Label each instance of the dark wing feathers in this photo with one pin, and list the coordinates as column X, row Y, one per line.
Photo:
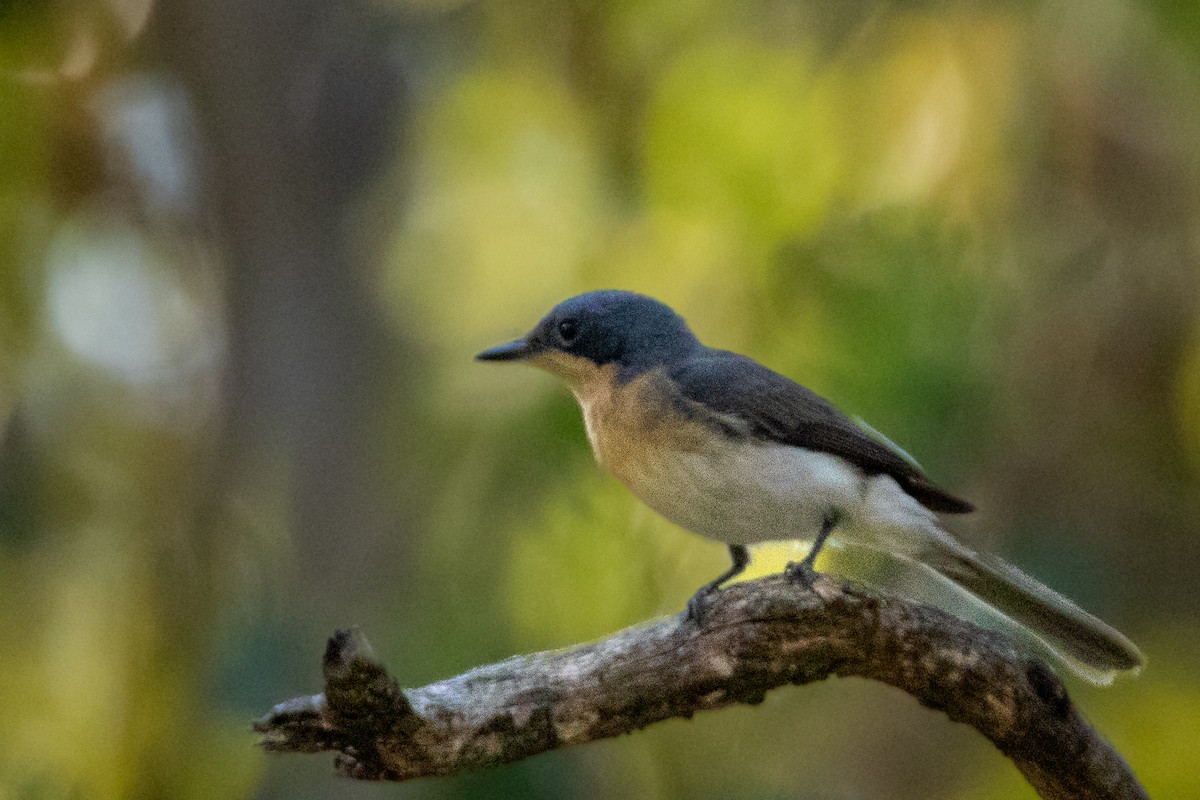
column 777, row 409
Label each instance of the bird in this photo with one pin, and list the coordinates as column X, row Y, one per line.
column 733, row 451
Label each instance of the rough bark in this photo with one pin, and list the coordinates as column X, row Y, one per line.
column 756, row 636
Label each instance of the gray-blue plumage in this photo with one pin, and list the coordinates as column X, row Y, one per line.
column 780, row 410
column 634, row 331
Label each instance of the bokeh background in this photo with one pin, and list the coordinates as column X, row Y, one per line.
column 248, row 248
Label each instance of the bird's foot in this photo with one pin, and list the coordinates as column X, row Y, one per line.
column 801, row 573
column 699, row 604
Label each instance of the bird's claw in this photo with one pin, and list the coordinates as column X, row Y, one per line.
column 698, row 606
column 800, row 573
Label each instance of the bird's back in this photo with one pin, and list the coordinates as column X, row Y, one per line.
column 776, row 409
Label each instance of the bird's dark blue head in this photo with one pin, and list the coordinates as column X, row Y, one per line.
column 596, row 329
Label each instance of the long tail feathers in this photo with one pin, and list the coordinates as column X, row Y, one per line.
column 1090, row 647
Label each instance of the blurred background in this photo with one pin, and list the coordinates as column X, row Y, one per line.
column 249, row 247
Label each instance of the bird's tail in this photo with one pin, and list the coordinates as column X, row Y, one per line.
column 1091, row 647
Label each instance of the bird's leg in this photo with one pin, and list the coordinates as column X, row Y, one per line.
column 700, row 600
column 802, row 571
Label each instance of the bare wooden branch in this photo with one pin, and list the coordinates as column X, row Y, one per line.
column 756, row 636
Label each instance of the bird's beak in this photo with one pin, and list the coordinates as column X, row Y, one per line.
column 516, row 350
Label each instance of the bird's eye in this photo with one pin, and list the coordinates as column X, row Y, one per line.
column 568, row 329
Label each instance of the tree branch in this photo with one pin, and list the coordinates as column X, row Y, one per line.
column 756, row 636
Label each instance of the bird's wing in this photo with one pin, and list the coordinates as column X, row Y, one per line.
column 773, row 408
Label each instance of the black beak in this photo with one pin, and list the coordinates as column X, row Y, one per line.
column 517, row 350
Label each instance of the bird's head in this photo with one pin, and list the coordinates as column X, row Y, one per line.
column 626, row 332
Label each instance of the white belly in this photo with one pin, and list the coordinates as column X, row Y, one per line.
column 745, row 492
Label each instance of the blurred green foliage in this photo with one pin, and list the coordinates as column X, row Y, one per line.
column 974, row 225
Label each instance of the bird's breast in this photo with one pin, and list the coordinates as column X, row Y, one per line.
column 631, row 424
